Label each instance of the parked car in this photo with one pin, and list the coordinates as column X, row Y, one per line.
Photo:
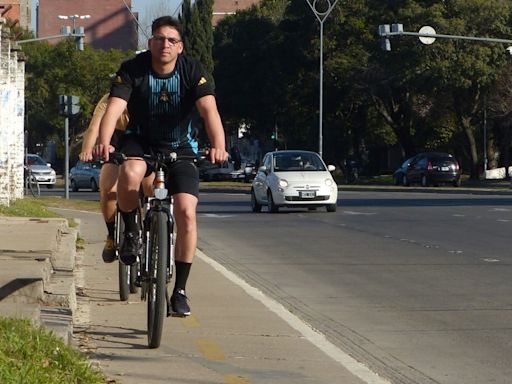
column 294, row 179
column 85, row 175
column 398, row 176
column 432, row 168
column 43, row 171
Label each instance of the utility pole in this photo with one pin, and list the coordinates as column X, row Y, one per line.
column 68, row 106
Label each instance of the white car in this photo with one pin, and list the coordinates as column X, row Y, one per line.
column 294, row 179
column 42, row 170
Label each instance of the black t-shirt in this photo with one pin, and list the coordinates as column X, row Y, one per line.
column 162, row 108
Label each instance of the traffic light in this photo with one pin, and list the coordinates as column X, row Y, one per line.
column 68, row 105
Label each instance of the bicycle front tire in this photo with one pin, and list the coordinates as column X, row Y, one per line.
column 33, row 185
column 157, row 284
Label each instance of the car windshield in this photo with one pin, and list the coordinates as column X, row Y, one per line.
column 290, row 162
column 35, row 160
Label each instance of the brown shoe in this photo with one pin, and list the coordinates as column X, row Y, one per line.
column 109, row 251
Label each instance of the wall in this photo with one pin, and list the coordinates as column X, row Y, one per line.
column 12, row 113
column 110, row 24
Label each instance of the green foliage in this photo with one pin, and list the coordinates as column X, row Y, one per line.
column 198, row 31
column 30, row 354
column 53, row 70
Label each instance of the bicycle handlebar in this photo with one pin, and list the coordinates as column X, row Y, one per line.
column 119, row 158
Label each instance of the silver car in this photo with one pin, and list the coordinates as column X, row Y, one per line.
column 42, row 170
column 294, row 179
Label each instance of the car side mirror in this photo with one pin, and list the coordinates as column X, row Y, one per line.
column 331, row 168
column 49, row 164
column 263, row 169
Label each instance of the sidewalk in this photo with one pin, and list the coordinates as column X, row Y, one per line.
column 36, row 278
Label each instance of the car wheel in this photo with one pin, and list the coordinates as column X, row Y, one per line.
column 272, row 207
column 405, row 181
column 331, row 207
column 456, row 182
column 94, row 185
column 424, row 181
column 255, row 206
column 74, row 187
column 49, row 186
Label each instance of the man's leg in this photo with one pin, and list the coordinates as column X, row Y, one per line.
column 131, row 174
column 185, row 206
column 108, row 198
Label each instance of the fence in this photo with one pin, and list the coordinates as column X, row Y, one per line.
column 12, row 116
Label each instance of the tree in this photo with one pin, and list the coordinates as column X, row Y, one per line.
column 198, row 31
column 53, row 70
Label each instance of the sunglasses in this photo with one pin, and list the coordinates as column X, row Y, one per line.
column 160, row 39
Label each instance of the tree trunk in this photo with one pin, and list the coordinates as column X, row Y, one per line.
column 468, row 131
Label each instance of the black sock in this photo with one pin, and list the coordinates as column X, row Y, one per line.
column 130, row 223
column 182, row 271
column 110, row 229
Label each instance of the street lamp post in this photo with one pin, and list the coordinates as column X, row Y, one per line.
column 74, row 17
column 76, row 31
column 321, row 9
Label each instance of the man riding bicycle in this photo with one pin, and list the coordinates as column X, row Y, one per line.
column 163, row 89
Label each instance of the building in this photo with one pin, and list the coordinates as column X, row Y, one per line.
column 222, row 8
column 110, row 24
column 17, row 10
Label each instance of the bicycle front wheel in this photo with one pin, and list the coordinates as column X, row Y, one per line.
column 33, row 186
column 157, row 287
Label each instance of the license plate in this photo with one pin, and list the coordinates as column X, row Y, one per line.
column 307, row 194
column 445, row 168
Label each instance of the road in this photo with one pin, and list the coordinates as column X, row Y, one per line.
column 414, row 285
column 417, row 286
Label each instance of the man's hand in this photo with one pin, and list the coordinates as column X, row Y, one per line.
column 216, row 155
column 101, row 151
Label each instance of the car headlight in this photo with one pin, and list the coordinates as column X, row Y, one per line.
column 52, row 172
column 282, row 183
column 328, row 182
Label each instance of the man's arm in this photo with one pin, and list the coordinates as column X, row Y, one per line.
column 207, row 108
column 89, row 139
column 91, row 134
column 115, row 108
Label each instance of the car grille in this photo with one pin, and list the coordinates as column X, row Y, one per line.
column 297, row 198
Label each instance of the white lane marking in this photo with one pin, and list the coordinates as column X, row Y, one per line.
column 501, row 209
column 215, row 215
column 489, row 260
column 503, row 220
column 458, row 215
column 359, row 213
column 316, row 338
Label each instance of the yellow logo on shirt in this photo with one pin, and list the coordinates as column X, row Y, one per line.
column 202, row 81
column 118, row 80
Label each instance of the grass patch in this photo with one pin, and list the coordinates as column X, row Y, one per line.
column 27, row 207
column 38, row 207
column 30, row 354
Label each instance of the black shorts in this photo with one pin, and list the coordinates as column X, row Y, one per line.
column 182, row 175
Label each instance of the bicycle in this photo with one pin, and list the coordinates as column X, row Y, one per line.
column 156, row 262
column 31, row 183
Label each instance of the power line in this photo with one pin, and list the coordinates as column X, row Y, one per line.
column 134, row 18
